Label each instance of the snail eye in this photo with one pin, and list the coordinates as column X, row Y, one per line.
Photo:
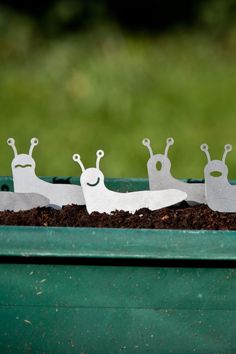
column 94, row 184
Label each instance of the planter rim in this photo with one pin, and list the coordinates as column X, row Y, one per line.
column 69, row 242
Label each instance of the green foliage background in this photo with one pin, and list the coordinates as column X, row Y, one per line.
column 107, row 88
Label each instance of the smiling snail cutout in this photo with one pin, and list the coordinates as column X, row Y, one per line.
column 21, row 201
column 99, row 198
column 220, row 194
column 160, row 177
column 26, row 181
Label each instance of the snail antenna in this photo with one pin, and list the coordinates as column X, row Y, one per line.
column 146, row 142
column 11, row 142
column 100, row 154
column 227, row 148
column 33, row 143
column 204, row 148
column 76, row 158
column 169, row 142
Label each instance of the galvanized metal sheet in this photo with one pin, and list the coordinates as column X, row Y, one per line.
column 21, row 201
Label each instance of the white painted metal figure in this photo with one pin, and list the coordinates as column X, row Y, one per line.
column 26, row 181
column 99, row 198
column 21, row 201
column 160, row 177
column 220, row 194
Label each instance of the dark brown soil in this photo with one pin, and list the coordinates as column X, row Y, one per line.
column 175, row 217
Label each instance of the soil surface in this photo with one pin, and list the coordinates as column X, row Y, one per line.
column 175, row 217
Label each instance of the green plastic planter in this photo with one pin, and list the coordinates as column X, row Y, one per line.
column 88, row 290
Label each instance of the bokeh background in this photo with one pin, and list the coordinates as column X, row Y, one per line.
column 82, row 75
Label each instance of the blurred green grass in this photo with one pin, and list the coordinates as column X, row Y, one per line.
column 106, row 89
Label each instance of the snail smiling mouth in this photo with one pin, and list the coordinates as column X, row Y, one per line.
column 23, row 166
column 94, row 184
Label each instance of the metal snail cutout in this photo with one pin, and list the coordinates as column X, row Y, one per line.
column 21, row 201
column 160, row 177
column 220, row 194
column 26, row 181
column 101, row 199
